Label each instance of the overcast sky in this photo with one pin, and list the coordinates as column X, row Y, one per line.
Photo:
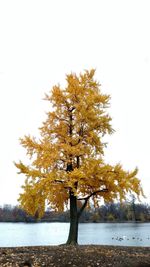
column 41, row 41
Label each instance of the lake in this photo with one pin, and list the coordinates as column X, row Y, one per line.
column 37, row 234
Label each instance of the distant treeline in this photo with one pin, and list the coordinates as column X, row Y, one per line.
column 114, row 212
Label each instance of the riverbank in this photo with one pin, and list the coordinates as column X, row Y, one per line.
column 79, row 256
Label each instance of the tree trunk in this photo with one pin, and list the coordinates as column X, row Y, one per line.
column 73, row 231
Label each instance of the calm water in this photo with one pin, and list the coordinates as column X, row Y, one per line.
column 22, row 234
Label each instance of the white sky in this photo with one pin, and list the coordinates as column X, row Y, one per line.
column 41, row 41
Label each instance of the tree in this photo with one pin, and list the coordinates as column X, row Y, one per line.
column 67, row 162
column 133, row 206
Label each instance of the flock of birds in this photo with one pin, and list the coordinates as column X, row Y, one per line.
column 126, row 238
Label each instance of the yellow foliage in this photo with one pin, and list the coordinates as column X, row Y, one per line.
column 69, row 157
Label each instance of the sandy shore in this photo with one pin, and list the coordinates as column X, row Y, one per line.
column 79, row 256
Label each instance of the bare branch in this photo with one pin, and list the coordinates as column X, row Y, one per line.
column 93, row 194
column 87, row 198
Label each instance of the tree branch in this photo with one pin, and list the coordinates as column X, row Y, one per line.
column 86, row 200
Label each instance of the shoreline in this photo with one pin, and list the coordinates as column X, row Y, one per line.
column 76, row 256
column 84, row 222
